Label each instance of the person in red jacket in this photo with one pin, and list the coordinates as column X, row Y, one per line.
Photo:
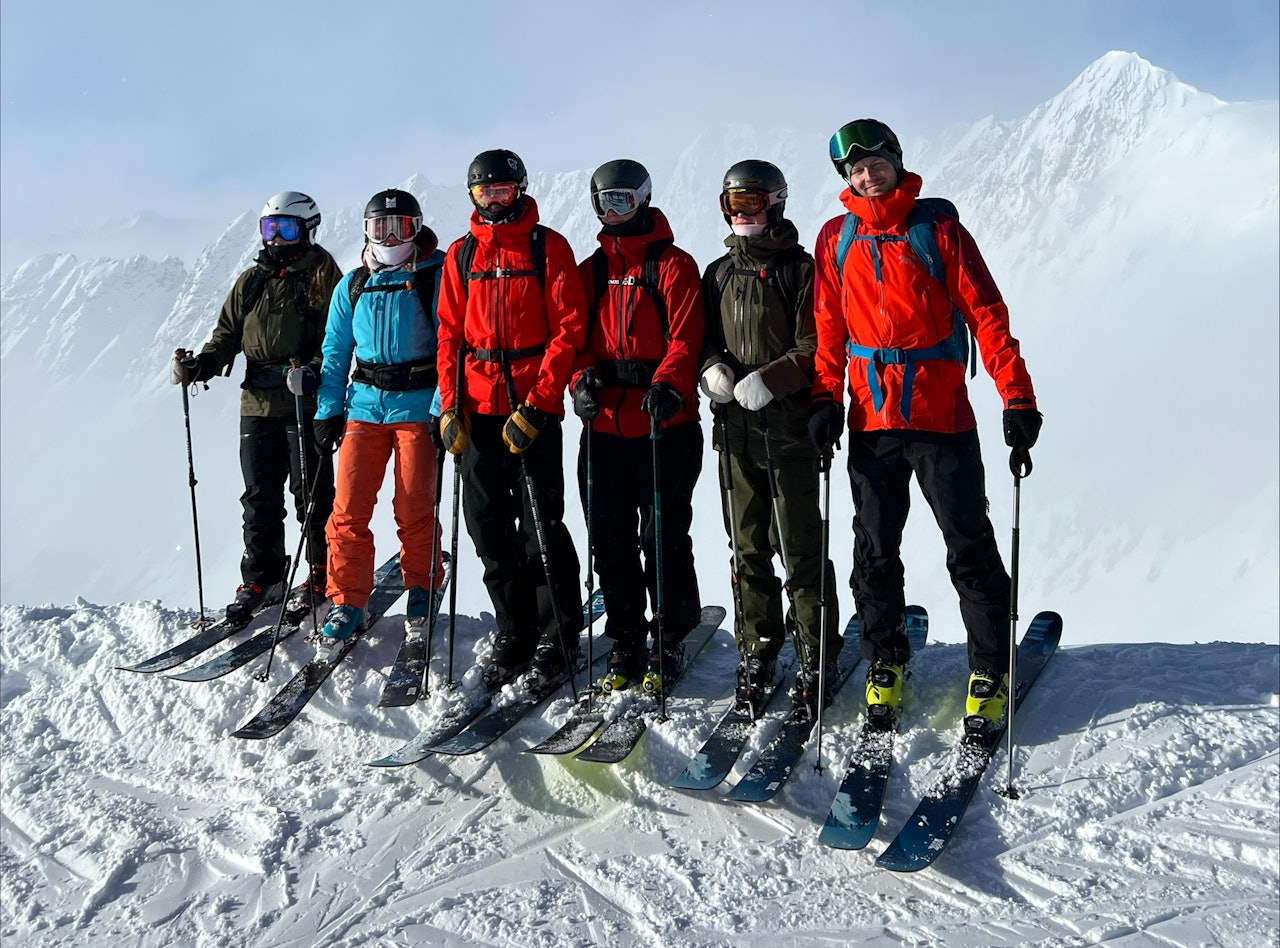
column 897, row 327
column 512, row 317
column 639, row 371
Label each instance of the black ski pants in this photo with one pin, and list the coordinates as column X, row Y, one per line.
column 268, row 458
column 500, row 520
column 620, row 512
column 948, row 468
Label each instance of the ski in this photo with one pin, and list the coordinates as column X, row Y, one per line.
column 855, row 811
column 501, row 719
column 408, row 671
column 293, row 697
column 623, row 733
column 935, row 819
column 203, row 640
column 457, row 718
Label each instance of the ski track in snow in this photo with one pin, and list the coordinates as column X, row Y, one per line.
column 1150, row 777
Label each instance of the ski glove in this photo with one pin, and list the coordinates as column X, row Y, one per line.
column 717, row 383
column 661, row 402
column 328, row 431
column 751, row 393
column 302, row 380
column 525, row 424
column 585, row 404
column 1022, row 427
column 455, row 430
column 826, row 424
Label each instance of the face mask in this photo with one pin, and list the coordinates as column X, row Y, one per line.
column 391, row 256
column 748, row 230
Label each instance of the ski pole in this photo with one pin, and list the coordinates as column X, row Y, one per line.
column 536, row 516
column 726, row 488
column 589, row 374
column 824, row 465
column 425, row 691
column 1020, row 467
column 654, row 436
column 782, row 542
column 202, row 622
column 457, row 493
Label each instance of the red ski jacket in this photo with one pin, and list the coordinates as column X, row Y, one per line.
column 627, row 342
column 507, row 310
column 887, row 300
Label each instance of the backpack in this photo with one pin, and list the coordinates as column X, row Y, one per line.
column 257, row 285
column 648, row 281
column 426, row 288
column 784, row 274
column 537, row 250
column 959, row 346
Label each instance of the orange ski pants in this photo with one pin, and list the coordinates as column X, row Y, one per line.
column 362, row 465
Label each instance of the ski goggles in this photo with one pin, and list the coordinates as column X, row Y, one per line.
column 867, row 136
column 502, row 194
column 743, row 201
column 287, row 229
column 400, row 226
column 621, row 201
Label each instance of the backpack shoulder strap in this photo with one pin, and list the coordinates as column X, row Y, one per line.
column 723, row 271
column 649, row 280
column 425, row 282
column 466, row 256
column 359, row 277
column 600, row 286
column 538, row 252
column 847, row 231
column 254, row 288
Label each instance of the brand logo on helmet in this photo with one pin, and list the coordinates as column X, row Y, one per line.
column 512, row 164
column 391, row 202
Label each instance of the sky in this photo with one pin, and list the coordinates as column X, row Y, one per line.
column 112, row 109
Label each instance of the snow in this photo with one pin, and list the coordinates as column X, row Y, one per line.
column 1150, row 778
column 1148, row 754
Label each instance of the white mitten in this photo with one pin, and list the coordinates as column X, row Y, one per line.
column 717, row 383
column 751, row 393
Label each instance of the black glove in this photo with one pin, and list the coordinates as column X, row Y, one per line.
column 661, row 402
column 433, row 425
column 328, row 431
column 525, row 424
column 826, row 424
column 303, row 380
column 585, row 405
column 1022, row 427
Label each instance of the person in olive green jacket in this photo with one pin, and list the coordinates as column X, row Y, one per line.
column 275, row 315
column 757, row 369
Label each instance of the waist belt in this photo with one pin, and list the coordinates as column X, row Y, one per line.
column 410, row 376
column 904, row 357
column 627, row 373
column 265, row 374
column 507, row 355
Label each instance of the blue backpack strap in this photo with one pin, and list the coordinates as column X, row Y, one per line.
column 847, row 230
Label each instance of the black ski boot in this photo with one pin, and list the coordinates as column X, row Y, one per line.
column 548, row 665
column 250, row 598
column 502, row 664
column 755, row 674
column 804, row 694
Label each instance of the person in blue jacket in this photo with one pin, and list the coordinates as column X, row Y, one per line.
column 384, row 313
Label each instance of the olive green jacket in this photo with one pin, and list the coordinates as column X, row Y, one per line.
column 751, row 327
column 286, row 321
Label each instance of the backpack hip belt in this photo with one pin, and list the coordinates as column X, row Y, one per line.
column 259, row 375
column 507, row 355
column 627, row 373
column 411, row 376
column 904, row 357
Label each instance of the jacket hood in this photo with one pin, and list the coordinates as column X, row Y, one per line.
column 513, row 233
column 887, row 210
column 635, row 244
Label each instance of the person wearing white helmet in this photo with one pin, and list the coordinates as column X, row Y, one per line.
column 275, row 316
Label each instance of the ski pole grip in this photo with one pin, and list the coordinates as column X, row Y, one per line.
column 1020, row 461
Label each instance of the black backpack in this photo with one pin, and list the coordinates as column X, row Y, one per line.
column 537, row 250
column 648, row 281
column 423, row 281
column 784, row 275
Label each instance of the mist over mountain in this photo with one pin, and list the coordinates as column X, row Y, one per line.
column 1131, row 222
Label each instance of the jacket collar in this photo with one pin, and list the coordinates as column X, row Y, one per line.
column 888, row 211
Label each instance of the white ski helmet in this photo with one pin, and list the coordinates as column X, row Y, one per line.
column 293, row 204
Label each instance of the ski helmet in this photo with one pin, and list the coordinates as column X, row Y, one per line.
column 864, row 138
column 293, row 204
column 392, row 213
column 629, row 183
column 756, row 176
column 498, row 166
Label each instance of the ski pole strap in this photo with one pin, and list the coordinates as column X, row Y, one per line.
column 1020, row 461
column 903, row 357
column 399, row 376
column 508, row 355
column 627, row 373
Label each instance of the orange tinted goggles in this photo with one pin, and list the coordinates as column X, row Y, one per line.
column 741, row 201
column 502, row 194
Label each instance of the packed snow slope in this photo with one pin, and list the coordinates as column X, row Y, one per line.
column 1149, row 777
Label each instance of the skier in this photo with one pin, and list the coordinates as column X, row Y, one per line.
column 904, row 334
column 275, row 315
column 383, row 312
column 757, row 368
column 638, row 369
column 512, row 316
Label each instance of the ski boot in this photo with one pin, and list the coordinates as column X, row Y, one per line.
column 626, row 661
column 310, row 592
column 504, row 660
column 884, row 693
column 342, row 623
column 804, row 694
column 547, row 666
column 664, row 668
column 250, row 598
column 418, row 613
column 985, row 702
column 755, row 675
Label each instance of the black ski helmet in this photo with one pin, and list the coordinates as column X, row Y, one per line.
column 497, row 165
column 393, row 201
column 753, row 174
column 863, row 138
column 622, row 173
